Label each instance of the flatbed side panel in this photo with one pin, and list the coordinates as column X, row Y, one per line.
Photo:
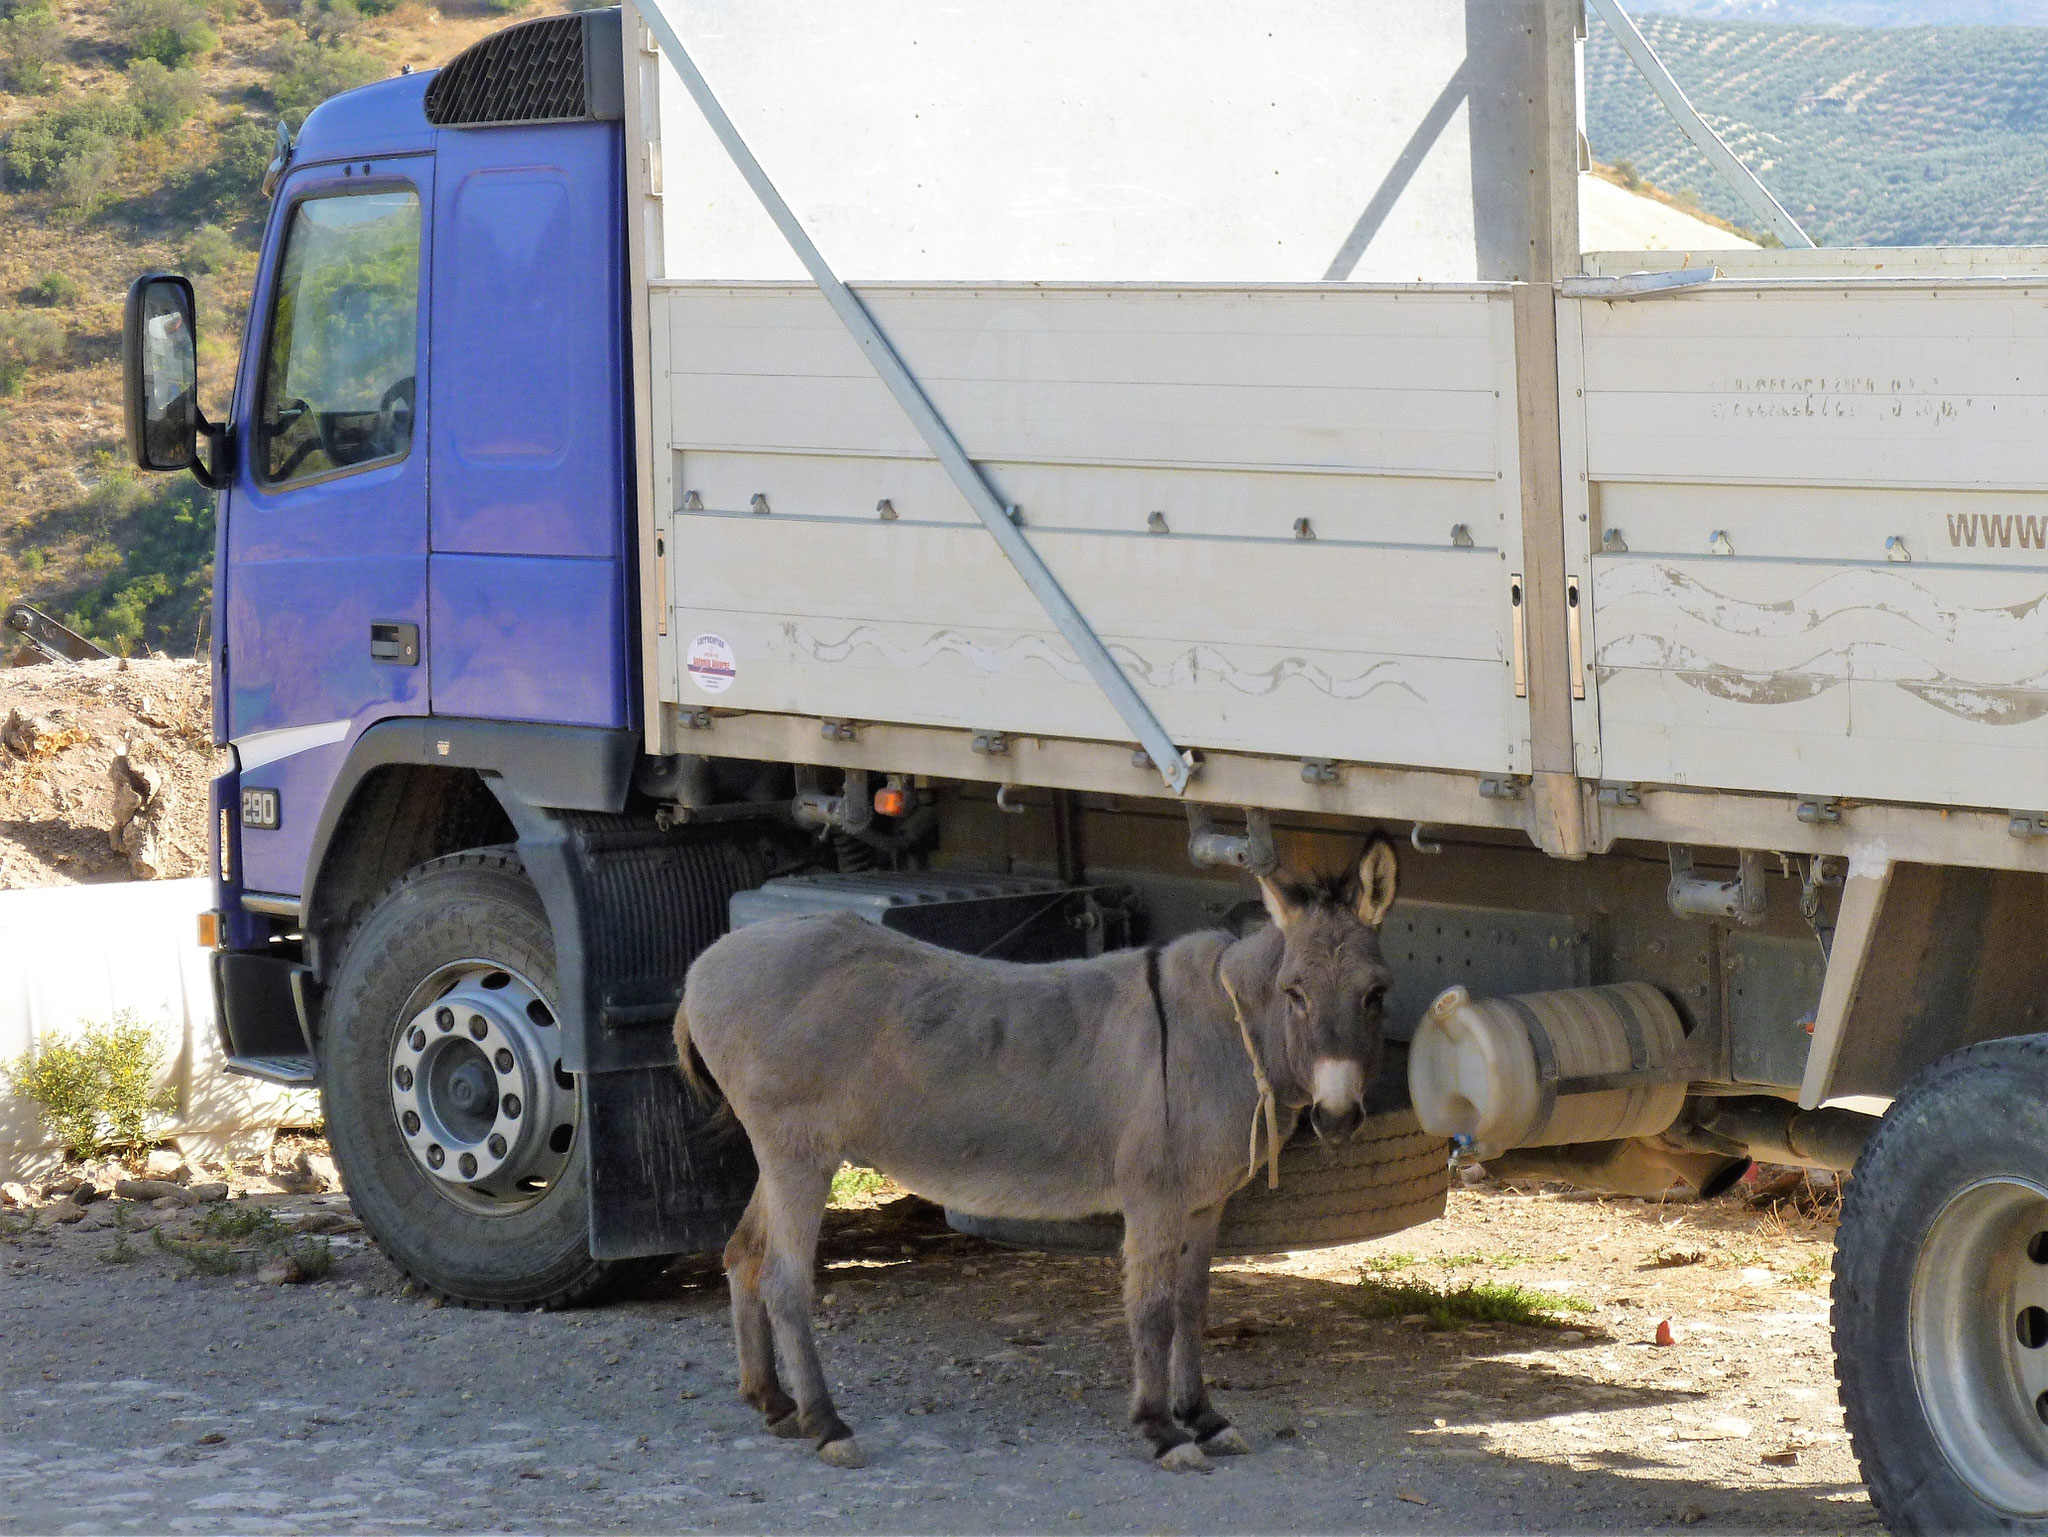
column 1834, row 507
column 1317, row 458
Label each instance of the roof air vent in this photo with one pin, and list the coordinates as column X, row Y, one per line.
column 556, row 69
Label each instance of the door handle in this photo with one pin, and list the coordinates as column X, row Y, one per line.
column 393, row 642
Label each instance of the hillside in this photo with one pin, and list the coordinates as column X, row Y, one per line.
column 133, row 134
column 1869, row 136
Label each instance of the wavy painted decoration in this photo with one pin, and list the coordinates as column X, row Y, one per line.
column 1985, row 663
column 1190, row 670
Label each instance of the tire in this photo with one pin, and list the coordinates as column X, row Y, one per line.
column 1941, row 1297
column 1392, row 1175
column 475, row 917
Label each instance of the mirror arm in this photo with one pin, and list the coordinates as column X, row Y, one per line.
column 218, row 468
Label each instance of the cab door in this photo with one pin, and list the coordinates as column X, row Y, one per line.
column 326, row 611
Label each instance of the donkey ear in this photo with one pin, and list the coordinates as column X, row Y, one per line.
column 1281, row 905
column 1379, row 874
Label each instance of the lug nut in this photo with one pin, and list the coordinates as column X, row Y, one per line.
column 418, row 1039
column 496, row 1145
column 511, row 1106
column 412, row 1124
column 404, row 1077
column 435, row 1156
column 468, row 1165
column 478, row 1029
column 504, row 1060
column 445, row 1018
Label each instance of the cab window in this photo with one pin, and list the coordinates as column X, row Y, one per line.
column 337, row 391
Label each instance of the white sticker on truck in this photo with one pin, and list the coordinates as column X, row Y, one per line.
column 711, row 665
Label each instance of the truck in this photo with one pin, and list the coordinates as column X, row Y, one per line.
column 1011, row 477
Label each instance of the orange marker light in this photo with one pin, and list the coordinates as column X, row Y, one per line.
column 892, row 800
column 209, row 931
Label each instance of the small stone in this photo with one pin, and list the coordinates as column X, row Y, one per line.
column 1691, row 1515
column 1784, row 1458
column 163, row 1163
column 12, row 1194
column 63, row 1185
column 280, row 1270
column 206, row 1193
column 1415, row 1320
column 167, row 1203
column 211, row 1438
column 1666, row 1335
column 1572, row 1337
column 1410, row 1497
column 66, row 1212
column 152, row 1190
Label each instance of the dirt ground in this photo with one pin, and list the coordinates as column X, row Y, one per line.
column 987, row 1386
column 71, row 735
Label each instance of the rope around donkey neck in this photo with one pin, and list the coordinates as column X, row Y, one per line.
column 1266, row 1108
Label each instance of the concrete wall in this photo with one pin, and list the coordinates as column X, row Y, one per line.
column 73, row 955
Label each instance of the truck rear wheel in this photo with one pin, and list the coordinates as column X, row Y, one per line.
column 1941, row 1297
column 453, row 1123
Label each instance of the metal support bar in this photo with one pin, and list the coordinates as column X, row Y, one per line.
column 1709, row 143
column 1174, row 767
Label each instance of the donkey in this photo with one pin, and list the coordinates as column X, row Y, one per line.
column 1056, row 1091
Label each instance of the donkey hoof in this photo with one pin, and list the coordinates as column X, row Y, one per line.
column 1185, row 1458
column 786, row 1427
column 843, row 1453
column 1227, row 1442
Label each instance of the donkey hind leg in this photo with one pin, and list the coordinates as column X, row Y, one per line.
column 1191, row 1403
column 759, row 1387
column 1152, row 1244
column 793, row 1208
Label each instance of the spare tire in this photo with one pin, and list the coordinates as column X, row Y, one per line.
column 1392, row 1175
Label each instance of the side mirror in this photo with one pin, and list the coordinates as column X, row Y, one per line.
column 160, row 373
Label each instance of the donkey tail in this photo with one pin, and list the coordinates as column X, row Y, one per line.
column 696, row 1077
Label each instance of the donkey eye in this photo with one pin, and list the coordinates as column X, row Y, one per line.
column 1296, row 999
column 1375, row 1000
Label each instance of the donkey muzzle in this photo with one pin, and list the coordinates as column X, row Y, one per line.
column 1338, row 1107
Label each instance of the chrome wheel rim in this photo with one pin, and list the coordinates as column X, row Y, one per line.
column 1979, row 1327
column 477, row 1087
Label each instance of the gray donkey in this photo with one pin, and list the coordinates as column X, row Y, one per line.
column 1123, row 1083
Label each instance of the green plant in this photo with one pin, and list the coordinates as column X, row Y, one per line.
column 206, row 249
column 244, row 1219
column 1447, row 1306
column 53, row 290
column 52, row 148
column 99, row 1090
column 152, row 560
column 853, row 1183
column 165, row 99
column 30, row 39
column 329, row 21
column 505, row 7
column 169, row 31
column 307, row 73
column 229, row 182
column 27, row 341
column 206, row 1258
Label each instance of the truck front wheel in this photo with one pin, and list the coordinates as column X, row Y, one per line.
column 453, row 1123
column 1941, row 1297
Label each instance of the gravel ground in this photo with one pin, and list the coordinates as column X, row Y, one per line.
column 987, row 1387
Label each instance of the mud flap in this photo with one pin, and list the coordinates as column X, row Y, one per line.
column 667, row 1175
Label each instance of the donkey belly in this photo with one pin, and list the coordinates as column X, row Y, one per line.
column 994, row 1171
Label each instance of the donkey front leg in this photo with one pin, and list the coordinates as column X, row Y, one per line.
column 745, row 1253
column 1191, row 1403
column 1152, row 1244
column 794, row 1207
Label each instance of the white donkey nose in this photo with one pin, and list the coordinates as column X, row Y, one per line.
column 1339, row 1085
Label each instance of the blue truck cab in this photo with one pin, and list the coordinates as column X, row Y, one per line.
column 440, row 895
